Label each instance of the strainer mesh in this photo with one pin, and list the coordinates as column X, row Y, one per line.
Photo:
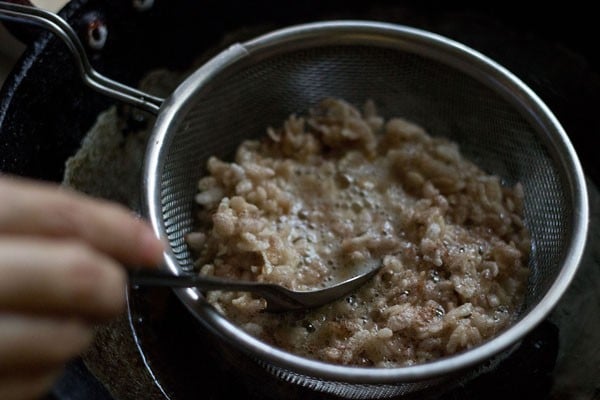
column 491, row 131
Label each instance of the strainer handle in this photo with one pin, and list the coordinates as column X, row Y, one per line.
column 98, row 82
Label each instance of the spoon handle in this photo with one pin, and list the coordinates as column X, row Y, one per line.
column 278, row 298
column 202, row 282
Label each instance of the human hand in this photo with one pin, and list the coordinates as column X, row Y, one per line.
column 61, row 258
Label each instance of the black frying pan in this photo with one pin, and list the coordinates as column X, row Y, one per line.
column 45, row 109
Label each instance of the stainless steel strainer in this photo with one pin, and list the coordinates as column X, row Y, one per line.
column 448, row 88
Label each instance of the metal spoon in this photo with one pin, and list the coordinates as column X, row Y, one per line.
column 278, row 298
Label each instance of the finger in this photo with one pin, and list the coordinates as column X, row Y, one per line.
column 32, row 344
column 28, row 386
column 61, row 277
column 44, row 209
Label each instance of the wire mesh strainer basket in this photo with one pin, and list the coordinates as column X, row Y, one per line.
column 444, row 86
